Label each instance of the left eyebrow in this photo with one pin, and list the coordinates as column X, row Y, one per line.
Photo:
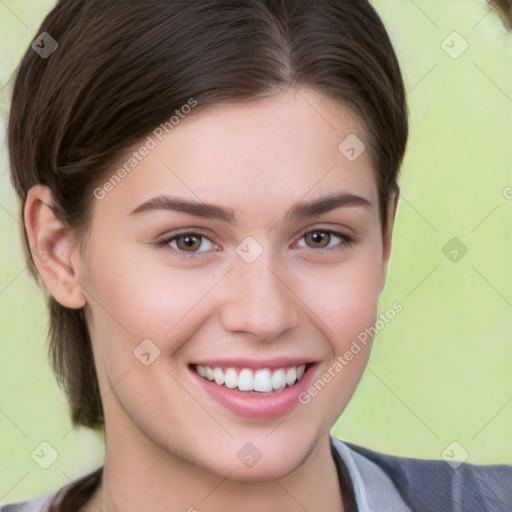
column 326, row 204
column 298, row 211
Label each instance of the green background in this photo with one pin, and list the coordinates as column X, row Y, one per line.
column 440, row 371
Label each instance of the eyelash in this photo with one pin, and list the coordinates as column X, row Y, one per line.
column 165, row 241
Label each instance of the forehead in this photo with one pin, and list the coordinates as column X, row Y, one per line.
column 257, row 154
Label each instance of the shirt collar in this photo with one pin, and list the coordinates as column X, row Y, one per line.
column 373, row 489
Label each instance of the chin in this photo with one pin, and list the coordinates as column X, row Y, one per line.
column 264, row 456
column 270, row 467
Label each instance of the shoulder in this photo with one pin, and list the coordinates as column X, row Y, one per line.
column 63, row 497
column 38, row 504
column 427, row 485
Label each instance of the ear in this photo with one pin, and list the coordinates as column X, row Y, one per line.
column 388, row 234
column 53, row 248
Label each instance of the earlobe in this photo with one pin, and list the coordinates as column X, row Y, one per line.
column 52, row 248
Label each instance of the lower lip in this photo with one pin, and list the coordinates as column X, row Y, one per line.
column 264, row 406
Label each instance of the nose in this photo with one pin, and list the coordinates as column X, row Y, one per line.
column 259, row 300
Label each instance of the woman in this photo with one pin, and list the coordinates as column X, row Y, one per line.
column 209, row 190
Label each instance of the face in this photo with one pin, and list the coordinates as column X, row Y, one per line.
column 240, row 275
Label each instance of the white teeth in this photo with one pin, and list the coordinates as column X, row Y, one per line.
column 291, row 376
column 279, row 379
column 246, row 380
column 218, row 375
column 208, row 373
column 231, row 378
column 263, row 380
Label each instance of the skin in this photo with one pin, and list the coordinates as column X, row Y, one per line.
column 169, row 446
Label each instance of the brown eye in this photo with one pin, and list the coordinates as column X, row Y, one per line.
column 188, row 242
column 325, row 239
column 318, row 238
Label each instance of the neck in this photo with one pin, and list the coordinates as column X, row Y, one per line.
column 145, row 478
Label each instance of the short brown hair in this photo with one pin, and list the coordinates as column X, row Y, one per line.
column 123, row 67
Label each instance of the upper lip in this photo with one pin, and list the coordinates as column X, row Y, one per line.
column 277, row 362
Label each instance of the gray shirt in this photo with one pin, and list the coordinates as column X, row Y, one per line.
column 386, row 483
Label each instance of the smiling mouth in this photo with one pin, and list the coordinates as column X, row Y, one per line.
column 253, row 381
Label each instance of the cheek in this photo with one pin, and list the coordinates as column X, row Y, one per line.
column 138, row 297
column 349, row 305
column 348, row 309
column 146, row 296
column 345, row 297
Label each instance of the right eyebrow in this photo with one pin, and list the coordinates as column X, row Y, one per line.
column 199, row 209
